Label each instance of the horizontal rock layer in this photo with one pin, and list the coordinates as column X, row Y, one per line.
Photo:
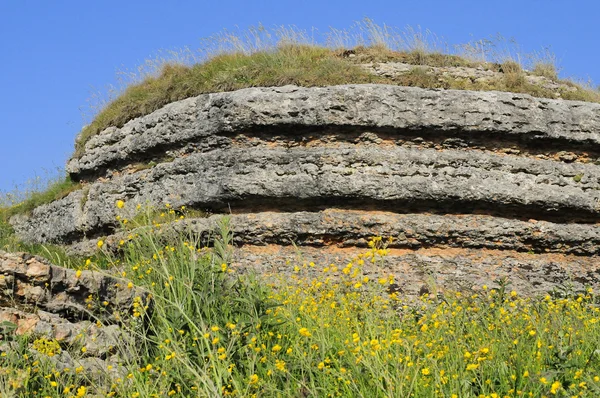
column 291, row 110
column 435, row 270
column 330, row 167
column 395, row 179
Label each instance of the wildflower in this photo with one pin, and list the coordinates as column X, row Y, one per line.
column 276, row 348
column 120, row 204
column 100, row 244
column 280, row 365
column 78, row 274
column 304, row 332
column 555, row 387
column 130, row 285
column 81, row 391
column 223, row 267
column 254, row 379
column 472, row 366
column 425, row 372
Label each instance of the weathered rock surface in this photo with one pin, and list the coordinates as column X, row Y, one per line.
column 327, row 168
column 76, row 310
column 436, row 270
column 207, row 121
column 32, row 283
column 475, row 75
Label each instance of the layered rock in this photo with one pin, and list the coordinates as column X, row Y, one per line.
column 81, row 310
column 484, row 173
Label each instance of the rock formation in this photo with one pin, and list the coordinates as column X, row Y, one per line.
column 473, row 186
column 79, row 309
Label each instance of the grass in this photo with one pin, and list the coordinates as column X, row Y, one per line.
column 319, row 330
column 260, row 57
column 55, row 190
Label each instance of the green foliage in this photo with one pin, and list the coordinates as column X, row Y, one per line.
column 57, row 190
column 316, row 330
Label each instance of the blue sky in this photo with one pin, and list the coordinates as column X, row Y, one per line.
column 56, row 54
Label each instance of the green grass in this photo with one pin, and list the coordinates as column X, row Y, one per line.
column 216, row 331
column 56, row 190
column 260, row 58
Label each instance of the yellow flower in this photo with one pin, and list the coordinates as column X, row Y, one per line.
column 555, row 387
column 254, row 379
column 472, row 366
column 78, row 273
column 81, row 391
column 130, row 285
column 120, row 204
column 276, row 348
column 425, row 372
column 100, row 243
column 223, row 267
column 304, row 332
column 321, row 365
column 280, row 365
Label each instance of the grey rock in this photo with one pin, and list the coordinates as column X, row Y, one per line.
column 467, row 182
column 203, row 119
column 397, row 179
column 28, row 282
column 353, row 228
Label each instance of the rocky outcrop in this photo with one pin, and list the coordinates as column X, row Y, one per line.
column 80, row 310
column 493, row 173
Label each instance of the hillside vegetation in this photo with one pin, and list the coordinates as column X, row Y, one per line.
column 314, row 330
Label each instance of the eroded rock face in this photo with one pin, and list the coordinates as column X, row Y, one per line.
column 81, row 310
column 327, row 168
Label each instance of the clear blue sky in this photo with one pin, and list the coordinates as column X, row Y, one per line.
column 54, row 54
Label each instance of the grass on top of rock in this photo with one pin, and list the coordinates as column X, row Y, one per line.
column 288, row 56
column 55, row 189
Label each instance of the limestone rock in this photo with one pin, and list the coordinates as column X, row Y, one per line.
column 328, row 167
